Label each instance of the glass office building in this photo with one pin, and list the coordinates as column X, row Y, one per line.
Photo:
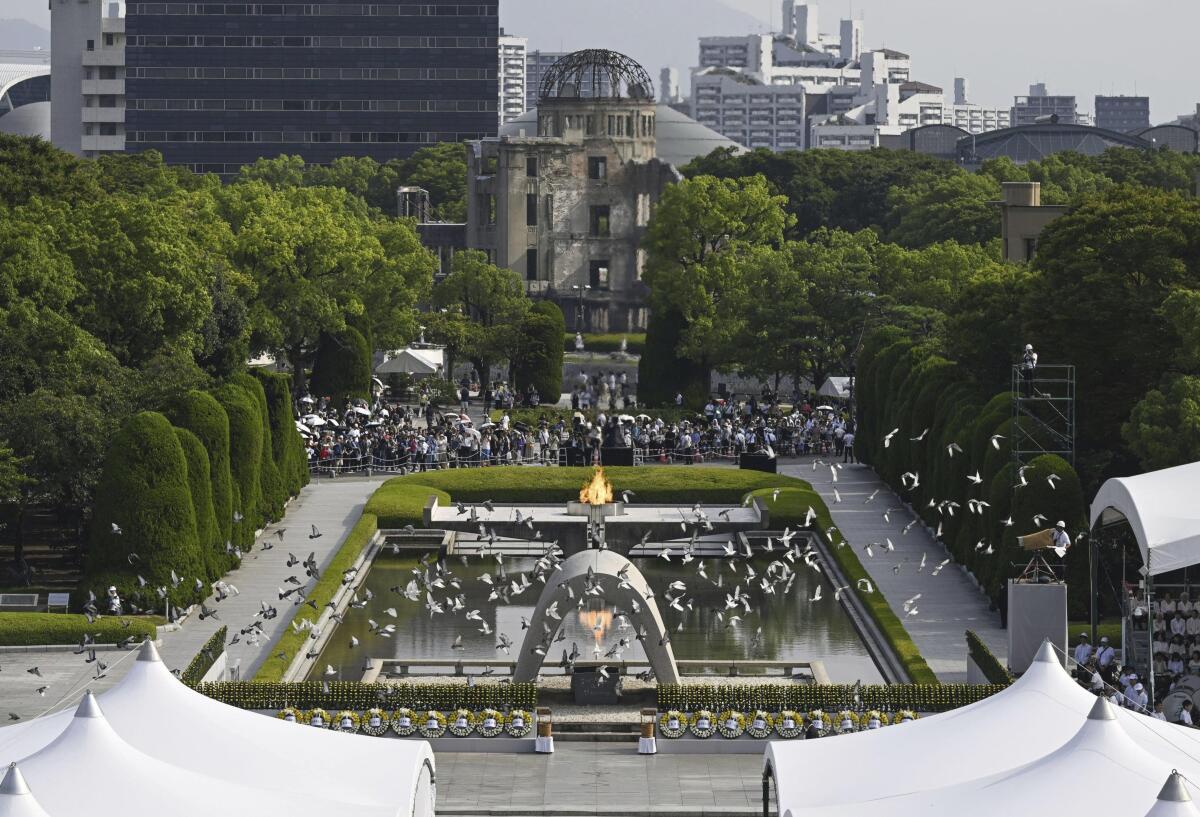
column 217, row 85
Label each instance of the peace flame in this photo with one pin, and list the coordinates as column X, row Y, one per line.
column 598, row 491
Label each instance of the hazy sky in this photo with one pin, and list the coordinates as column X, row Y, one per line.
column 1080, row 47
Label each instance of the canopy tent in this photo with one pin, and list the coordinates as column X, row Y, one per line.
column 1030, row 719
column 154, row 713
column 1174, row 800
column 837, row 387
column 1101, row 749
column 419, row 362
column 16, row 800
column 1162, row 511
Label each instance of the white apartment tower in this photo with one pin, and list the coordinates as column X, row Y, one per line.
column 87, row 76
column 668, row 86
column 512, row 77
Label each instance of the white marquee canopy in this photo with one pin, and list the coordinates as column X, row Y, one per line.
column 932, row 766
column 199, row 753
column 1162, row 509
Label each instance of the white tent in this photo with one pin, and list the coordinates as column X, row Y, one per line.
column 156, row 714
column 837, row 387
column 1173, row 800
column 1100, row 770
column 16, row 800
column 1162, row 510
column 1032, row 718
column 420, row 362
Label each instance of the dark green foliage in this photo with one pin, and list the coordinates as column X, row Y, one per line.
column 37, row 629
column 286, row 446
column 986, row 660
column 336, row 695
column 342, row 367
column 245, row 459
column 661, row 372
column 539, row 358
column 830, row 698
column 204, row 659
column 144, row 490
column 208, row 537
column 272, row 492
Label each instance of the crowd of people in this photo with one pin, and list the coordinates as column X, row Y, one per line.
column 416, row 435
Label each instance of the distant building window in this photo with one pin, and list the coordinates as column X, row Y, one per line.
column 109, row 40
column 531, row 168
column 531, row 210
column 531, row 264
column 598, row 274
column 600, row 227
column 491, row 209
column 1030, row 248
column 597, row 167
column 91, row 45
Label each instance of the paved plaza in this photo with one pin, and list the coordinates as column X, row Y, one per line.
column 950, row 602
column 598, row 778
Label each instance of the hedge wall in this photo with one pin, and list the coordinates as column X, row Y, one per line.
column 37, row 629
column 201, row 414
column 342, row 367
column 662, row 373
column 271, row 490
column 245, row 458
column 212, row 547
column 986, row 660
column 539, row 360
column 827, row 697
column 144, row 490
column 335, row 695
column 287, row 447
column 203, row 660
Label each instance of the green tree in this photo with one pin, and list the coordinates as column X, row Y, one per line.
column 944, row 208
column 539, row 359
column 212, row 547
column 245, row 460
column 200, row 413
column 342, row 367
column 272, row 493
column 1164, row 427
column 493, row 301
column 441, row 169
column 145, row 493
column 287, row 447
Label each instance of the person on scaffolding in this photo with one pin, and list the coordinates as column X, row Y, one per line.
column 1028, row 370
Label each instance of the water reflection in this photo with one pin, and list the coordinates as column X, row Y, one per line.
column 767, row 627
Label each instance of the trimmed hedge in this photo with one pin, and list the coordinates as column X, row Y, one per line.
column 661, row 372
column 203, row 660
column 245, row 458
column 287, row 447
column 270, row 484
column 342, row 367
column 201, row 414
column 273, row 667
column 539, row 360
column 827, row 697
column 635, row 342
column 335, row 695
column 790, row 509
column 199, row 471
column 36, row 629
column 144, row 490
column 986, row 660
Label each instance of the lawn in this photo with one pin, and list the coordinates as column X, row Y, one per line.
column 35, row 629
column 1110, row 628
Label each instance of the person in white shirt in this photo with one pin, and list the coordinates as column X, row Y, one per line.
column 1061, row 539
column 1104, row 653
column 1158, row 712
column 1083, row 650
column 1166, row 606
column 1136, row 698
column 1178, row 624
column 1185, row 605
column 1185, row 714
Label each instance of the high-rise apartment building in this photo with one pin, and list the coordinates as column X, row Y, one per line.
column 215, row 86
column 512, row 76
column 87, row 76
column 1124, row 114
column 973, row 118
column 1041, row 106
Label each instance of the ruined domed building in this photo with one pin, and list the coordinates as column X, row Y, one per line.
column 564, row 194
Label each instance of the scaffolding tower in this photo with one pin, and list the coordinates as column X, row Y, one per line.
column 1043, row 413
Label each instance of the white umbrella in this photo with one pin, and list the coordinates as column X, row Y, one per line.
column 488, row 424
column 824, row 408
column 625, row 418
column 307, row 399
column 643, row 416
column 383, row 413
column 314, row 420
column 363, row 410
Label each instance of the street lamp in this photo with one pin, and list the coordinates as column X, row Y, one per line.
column 579, row 309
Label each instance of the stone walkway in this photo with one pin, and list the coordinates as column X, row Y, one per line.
column 333, row 505
column 950, row 602
column 602, row 778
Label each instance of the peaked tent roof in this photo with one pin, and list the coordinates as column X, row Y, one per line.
column 1161, row 508
column 16, row 800
column 835, row 387
column 154, row 712
column 1174, row 800
column 413, row 361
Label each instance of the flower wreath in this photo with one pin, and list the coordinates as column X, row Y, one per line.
column 781, row 727
column 704, row 724
column 761, row 724
column 905, row 715
column 672, row 716
column 519, row 723
column 844, row 717
column 876, row 717
column 290, row 714
column 819, row 719
column 435, row 731
column 313, row 714
column 381, row 726
column 340, row 719
column 404, row 722
column 738, row 727
column 496, row 728
column 461, row 723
